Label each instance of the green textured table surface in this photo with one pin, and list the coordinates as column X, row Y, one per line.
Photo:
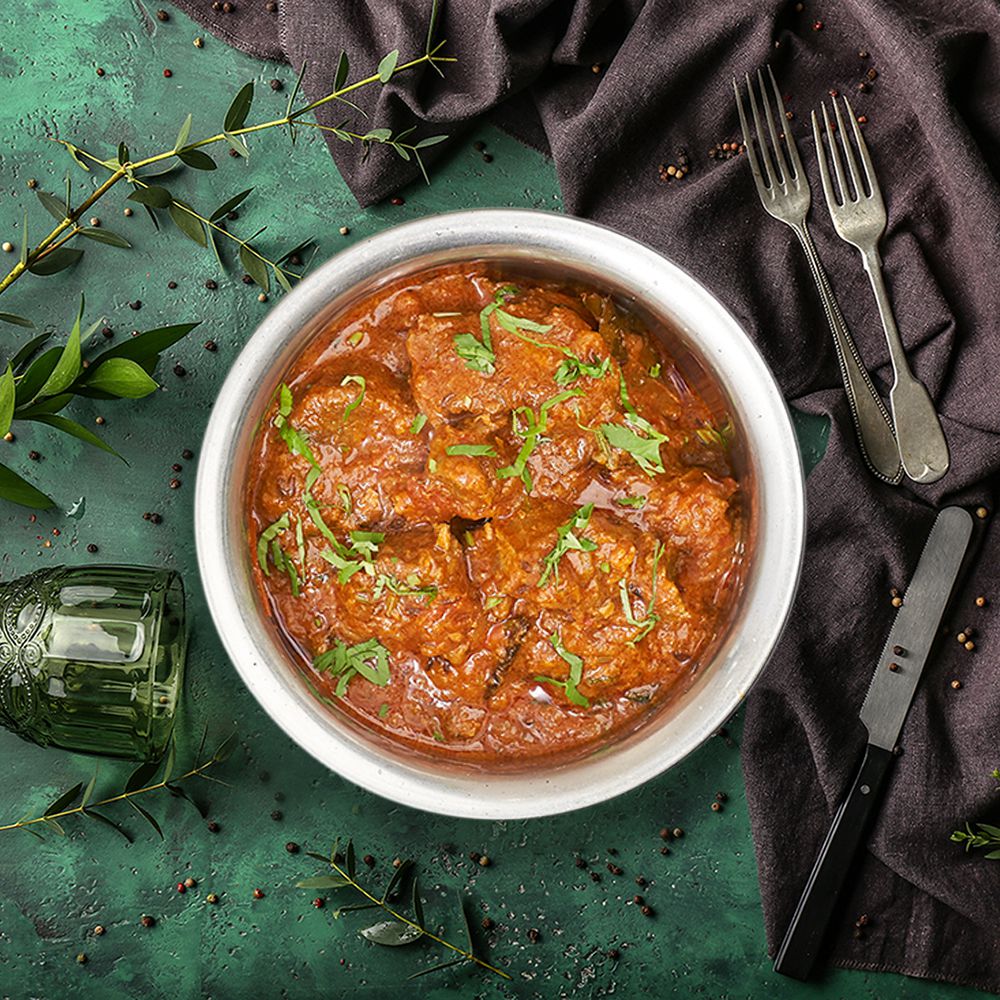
column 706, row 938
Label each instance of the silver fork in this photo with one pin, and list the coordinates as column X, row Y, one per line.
column 859, row 217
column 784, row 191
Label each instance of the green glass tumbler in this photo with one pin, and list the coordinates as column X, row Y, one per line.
column 92, row 658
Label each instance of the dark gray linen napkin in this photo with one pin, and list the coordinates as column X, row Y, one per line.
column 662, row 85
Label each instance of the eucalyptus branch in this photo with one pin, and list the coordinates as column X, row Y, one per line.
column 197, row 226
column 78, row 801
column 985, row 836
column 401, row 929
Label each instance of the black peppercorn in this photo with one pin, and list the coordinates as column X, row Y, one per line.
column 276, row 85
column 646, row 911
column 487, row 158
column 666, row 834
column 211, row 285
column 614, row 954
column 595, row 877
column 614, row 869
column 107, row 331
column 135, row 305
column 580, row 863
column 369, row 860
column 34, row 456
column 276, row 815
column 487, row 924
column 156, row 518
column 213, row 827
column 638, row 900
column 162, row 15
column 639, row 880
column 479, row 145
column 91, row 548
column 174, row 484
column 292, row 847
column 147, row 921
column 271, row 7
column 179, row 370
column 171, row 285
column 210, row 345
column 534, row 935
column 177, row 466
column 664, row 850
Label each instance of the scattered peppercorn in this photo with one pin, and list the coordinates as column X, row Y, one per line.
column 294, row 259
column 678, row 832
column 258, row 894
column 190, row 882
column 171, row 285
column 666, row 834
column 956, row 684
column 179, row 370
column 187, row 454
column 318, row 902
column 147, row 921
column 127, row 212
column 98, row 930
column 210, row 345
column 580, row 863
column 897, row 650
column 397, row 200
column 474, row 856
column 32, row 183
column 181, row 888
column 484, row 861
column 276, row 84
column 863, row 54
column 228, row 8
column 894, row 667
column 982, row 513
column 162, row 15
column 897, row 602
column 199, row 42
column 396, row 862
column 721, row 797
column 100, row 71
column 664, row 850
column 646, row 910
column 862, row 921
column 864, row 87
column 534, row 935
column 613, row 851
column 168, row 73
column 970, row 645
column 158, row 519
column 716, row 807
column 213, row 827
column 174, row 484
column 271, row 7
column 369, row 860
column 92, row 548
column 34, row 456
column 614, row 954
column 638, row 900
column 980, row 602
column 211, row 285
column 639, row 880
column 487, row 157
column 81, row 958
column 817, row 26
column 479, row 145
column 614, row 869
column 487, row 924
column 136, row 306
column 345, row 231
column 276, row 815
column 212, row 898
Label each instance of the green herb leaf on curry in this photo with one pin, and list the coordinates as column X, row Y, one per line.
column 571, row 683
column 569, row 538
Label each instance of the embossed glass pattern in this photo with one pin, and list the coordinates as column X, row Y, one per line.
column 91, row 658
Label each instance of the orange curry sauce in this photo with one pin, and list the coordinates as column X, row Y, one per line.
column 461, row 535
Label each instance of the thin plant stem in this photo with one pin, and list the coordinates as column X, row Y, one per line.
column 83, row 807
column 410, row 923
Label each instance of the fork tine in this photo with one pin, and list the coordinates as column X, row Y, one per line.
column 838, row 167
column 866, row 159
column 793, row 153
column 762, row 189
column 779, row 156
column 852, row 163
column 824, row 167
column 761, row 141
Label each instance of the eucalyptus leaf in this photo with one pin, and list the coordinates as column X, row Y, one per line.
column 437, row 968
column 147, row 816
column 179, row 792
column 147, row 345
column 68, row 366
column 237, row 144
column 196, row 159
column 185, row 131
column 431, row 140
column 64, row 801
column 350, row 859
column 101, row 818
column 44, row 407
column 36, row 375
column 236, row 116
column 418, row 906
column 55, row 261
column 282, row 278
column 391, row 933
column 397, row 877
column 76, row 430
column 188, row 224
column 89, row 790
column 105, row 236
column 388, row 66
column 152, row 195
column 225, row 749
column 8, row 393
column 28, row 350
column 52, row 205
column 229, row 205
column 55, row 827
column 142, row 775
column 121, row 377
column 158, row 169
column 343, row 68
column 255, row 267
column 323, row 882
column 15, row 320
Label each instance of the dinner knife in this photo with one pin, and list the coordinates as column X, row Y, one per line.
column 883, row 713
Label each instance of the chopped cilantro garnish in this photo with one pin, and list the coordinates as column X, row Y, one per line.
column 294, row 439
column 473, row 450
column 575, row 673
column 418, row 423
column 573, row 368
column 383, row 710
column 492, row 602
column 641, row 439
column 369, row 659
column 355, row 338
column 532, row 431
column 569, row 538
column 358, row 380
column 432, row 465
column 408, row 588
column 477, row 355
column 636, row 502
column 356, row 556
column 345, row 498
column 654, row 370
column 647, row 624
column 265, row 538
column 716, row 435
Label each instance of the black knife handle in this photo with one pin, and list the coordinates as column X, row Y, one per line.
column 805, row 933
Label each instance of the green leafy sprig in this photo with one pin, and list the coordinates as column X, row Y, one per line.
column 368, row 659
column 50, row 255
column 569, row 538
column 985, row 836
column 398, row 930
column 79, row 800
column 647, row 624
column 637, row 435
column 569, row 685
column 35, row 387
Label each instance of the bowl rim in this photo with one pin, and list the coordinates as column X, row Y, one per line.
column 314, row 727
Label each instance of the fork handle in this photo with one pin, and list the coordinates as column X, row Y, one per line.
column 872, row 422
column 922, row 444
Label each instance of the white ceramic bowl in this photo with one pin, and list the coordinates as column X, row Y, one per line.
column 772, row 477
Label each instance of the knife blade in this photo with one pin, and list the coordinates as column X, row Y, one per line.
column 883, row 713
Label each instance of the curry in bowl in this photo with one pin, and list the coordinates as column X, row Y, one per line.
column 492, row 517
